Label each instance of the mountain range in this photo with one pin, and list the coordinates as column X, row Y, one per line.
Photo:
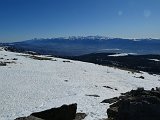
column 75, row 46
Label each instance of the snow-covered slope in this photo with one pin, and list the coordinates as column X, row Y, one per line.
column 28, row 85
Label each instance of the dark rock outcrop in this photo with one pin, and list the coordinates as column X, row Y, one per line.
column 111, row 100
column 137, row 104
column 65, row 112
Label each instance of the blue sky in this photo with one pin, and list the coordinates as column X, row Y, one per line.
column 27, row 19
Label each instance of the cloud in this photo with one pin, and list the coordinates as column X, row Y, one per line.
column 147, row 13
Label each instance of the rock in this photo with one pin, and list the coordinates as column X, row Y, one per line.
column 113, row 111
column 137, row 104
column 66, row 61
column 157, row 88
column 140, row 77
column 108, row 87
column 65, row 112
column 15, row 59
column 29, row 118
column 115, row 89
column 111, row 100
column 80, row 116
column 93, row 95
column 2, row 63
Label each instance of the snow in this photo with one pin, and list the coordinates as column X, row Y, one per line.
column 156, row 60
column 30, row 85
column 122, row 54
column 116, row 49
column 136, row 40
column 87, row 37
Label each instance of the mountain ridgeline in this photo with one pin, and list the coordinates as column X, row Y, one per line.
column 75, row 46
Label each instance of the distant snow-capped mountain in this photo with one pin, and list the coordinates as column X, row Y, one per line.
column 74, row 46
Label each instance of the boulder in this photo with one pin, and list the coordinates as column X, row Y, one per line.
column 65, row 112
column 137, row 104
